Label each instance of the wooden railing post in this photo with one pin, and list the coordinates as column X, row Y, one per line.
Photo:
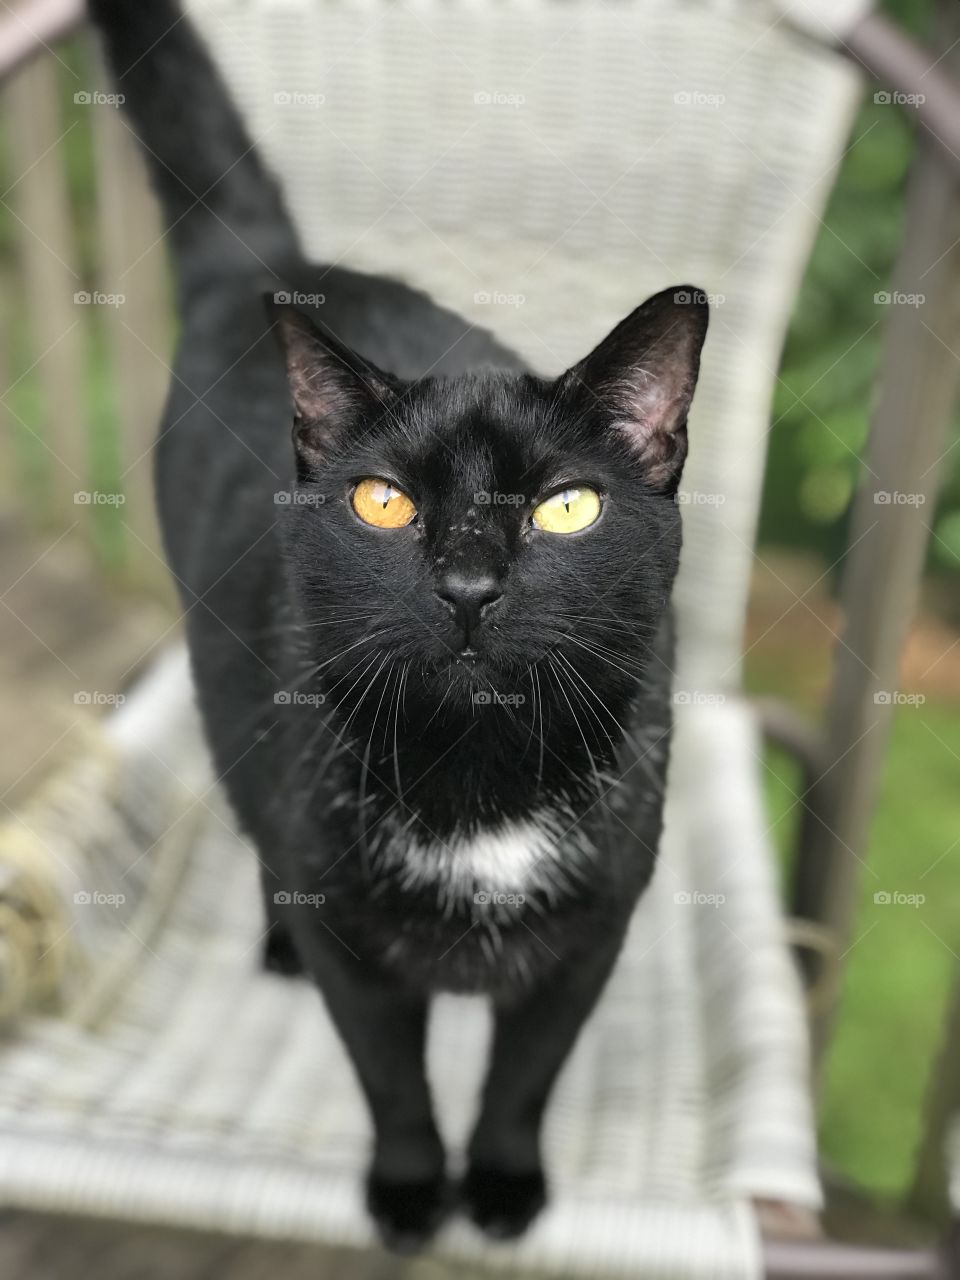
column 889, row 535
column 38, row 199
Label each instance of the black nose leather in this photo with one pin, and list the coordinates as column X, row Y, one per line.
column 468, row 592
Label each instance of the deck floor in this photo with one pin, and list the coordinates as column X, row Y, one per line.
column 42, row 1247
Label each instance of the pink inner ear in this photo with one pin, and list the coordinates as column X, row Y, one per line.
column 644, row 373
column 661, row 452
column 653, row 417
column 656, row 403
column 316, row 392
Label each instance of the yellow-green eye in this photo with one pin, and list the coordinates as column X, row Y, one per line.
column 568, row 511
column 380, row 503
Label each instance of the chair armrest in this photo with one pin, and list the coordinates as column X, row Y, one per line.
column 31, row 26
column 910, row 68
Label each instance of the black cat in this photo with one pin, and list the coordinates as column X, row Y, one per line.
column 431, row 640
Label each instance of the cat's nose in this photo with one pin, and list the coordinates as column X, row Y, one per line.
column 468, row 592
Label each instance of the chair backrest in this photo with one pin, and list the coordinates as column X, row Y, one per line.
column 541, row 167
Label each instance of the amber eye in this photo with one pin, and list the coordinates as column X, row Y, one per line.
column 568, row 511
column 380, row 503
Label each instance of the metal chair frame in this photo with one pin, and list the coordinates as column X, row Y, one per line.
column 841, row 758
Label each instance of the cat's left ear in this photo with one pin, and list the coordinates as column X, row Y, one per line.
column 642, row 377
column 332, row 387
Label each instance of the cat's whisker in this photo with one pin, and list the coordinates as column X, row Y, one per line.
column 333, row 614
column 633, row 675
column 349, row 649
column 346, row 675
column 593, row 693
column 593, row 719
column 401, row 689
column 353, row 714
column 533, row 709
column 536, row 672
column 367, row 661
column 352, row 619
column 604, row 636
column 555, row 671
column 365, row 765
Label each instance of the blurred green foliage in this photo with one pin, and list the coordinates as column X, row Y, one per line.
column 903, row 959
column 902, row 962
column 826, row 388
column 26, row 400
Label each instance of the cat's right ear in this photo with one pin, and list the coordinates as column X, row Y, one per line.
column 642, row 376
column 332, row 387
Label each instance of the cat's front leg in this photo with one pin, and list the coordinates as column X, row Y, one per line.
column 383, row 1028
column 504, row 1187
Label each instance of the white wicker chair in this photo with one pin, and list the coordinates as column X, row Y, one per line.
column 539, row 167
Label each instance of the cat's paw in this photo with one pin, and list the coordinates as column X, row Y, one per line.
column 407, row 1213
column 502, row 1204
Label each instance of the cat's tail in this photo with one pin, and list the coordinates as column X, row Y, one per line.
column 223, row 211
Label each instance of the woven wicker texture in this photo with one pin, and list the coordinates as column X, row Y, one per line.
column 182, row 1084
column 539, row 166
column 577, row 156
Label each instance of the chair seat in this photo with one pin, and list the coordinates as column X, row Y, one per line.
column 182, row 1084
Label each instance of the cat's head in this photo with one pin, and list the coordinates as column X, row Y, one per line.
column 476, row 537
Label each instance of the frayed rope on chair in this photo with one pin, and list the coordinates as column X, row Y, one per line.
column 105, row 826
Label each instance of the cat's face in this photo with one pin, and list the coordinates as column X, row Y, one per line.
column 475, row 536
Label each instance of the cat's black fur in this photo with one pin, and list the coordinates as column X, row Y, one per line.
column 341, row 707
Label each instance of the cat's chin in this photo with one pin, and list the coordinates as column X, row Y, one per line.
column 469, row 656
column 472, row 672
column 464, row 662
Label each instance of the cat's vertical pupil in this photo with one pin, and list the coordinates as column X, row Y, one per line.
column 380, row 503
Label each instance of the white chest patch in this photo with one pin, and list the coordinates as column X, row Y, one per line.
column 512, row 859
